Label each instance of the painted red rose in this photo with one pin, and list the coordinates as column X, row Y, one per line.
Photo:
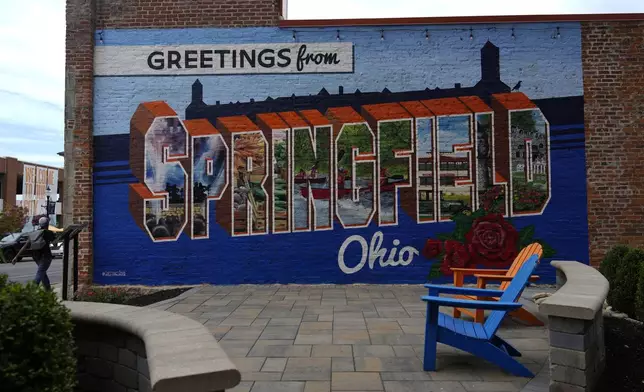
column 492, row 241
column 432, row 248
column 456, row 256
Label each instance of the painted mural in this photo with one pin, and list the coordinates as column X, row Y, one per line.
column 378, row 184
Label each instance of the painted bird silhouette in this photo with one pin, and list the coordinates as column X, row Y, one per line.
column 517, row 86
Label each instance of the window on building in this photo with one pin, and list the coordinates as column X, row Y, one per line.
column 425, row 195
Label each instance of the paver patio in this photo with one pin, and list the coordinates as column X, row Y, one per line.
column 315, row 338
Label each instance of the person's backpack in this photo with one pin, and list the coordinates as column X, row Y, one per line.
column 37, row 240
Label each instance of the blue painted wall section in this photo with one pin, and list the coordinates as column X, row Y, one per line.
column 435, row 150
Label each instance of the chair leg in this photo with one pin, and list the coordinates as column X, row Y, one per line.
column 497, row 356
column 480, row 316
column 487, row 351
column 480, row 313
column 459, row 278
column 497, row 341
column 527, row 317
column 431, row 335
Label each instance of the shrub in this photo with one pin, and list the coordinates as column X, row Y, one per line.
column 112, row 295
column 36, row 342
column 639, row 296
column 622, row 293
column 12, row 219
column 608, row 266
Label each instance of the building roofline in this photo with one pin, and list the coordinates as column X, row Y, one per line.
column 21, row 163
column 41, row 165
column 444, row 20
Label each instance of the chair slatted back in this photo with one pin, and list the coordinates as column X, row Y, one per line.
column 512, row 293
column 522, row 257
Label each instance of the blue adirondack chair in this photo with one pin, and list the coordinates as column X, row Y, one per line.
column 478, row 339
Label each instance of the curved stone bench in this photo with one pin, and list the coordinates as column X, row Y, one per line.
column 575, row 323
column 143, row 349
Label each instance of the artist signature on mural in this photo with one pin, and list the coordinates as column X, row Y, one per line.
column 374, row 251
column 114, row 273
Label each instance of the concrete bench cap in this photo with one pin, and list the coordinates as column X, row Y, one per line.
column 181, row 352
column 582, row 295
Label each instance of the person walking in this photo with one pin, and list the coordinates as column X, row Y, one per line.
column 39, row 242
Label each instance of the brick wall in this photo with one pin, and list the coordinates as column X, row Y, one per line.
column 613, row 64
column 79, row 44
column 613, row 81
column 186, row 13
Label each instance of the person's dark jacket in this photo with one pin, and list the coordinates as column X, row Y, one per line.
column 44, row 254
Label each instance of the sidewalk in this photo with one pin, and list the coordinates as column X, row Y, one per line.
column 58, row 289
column 306, row 338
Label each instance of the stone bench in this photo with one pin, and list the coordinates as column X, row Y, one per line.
column 575, row 323
column 126, row 348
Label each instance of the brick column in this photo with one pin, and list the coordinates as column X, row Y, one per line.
column 577, row 353
column 79, row 60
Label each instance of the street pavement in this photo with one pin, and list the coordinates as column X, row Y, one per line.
column 25, row 271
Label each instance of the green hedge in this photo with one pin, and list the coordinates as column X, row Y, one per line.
column 622, row 294
column 639, row 295
column 623, row 267
column 36, row 342
column 611, row 262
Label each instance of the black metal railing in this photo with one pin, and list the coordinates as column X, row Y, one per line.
column 70, row 235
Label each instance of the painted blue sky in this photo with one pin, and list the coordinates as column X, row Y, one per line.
column 451, row 131
column 424, row 128
column 405, row 60
column 32, row 43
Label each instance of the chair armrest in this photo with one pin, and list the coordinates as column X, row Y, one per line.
column 487, row 271
column 437, row 289
column 469, row 304
column 465, row 271
column 472, row 271
column 501, row 278
column 485, row 278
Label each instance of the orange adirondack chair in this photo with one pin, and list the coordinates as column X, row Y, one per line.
column 505, row 277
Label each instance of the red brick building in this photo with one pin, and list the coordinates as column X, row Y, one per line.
column 612, row 69
column 12, row 192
